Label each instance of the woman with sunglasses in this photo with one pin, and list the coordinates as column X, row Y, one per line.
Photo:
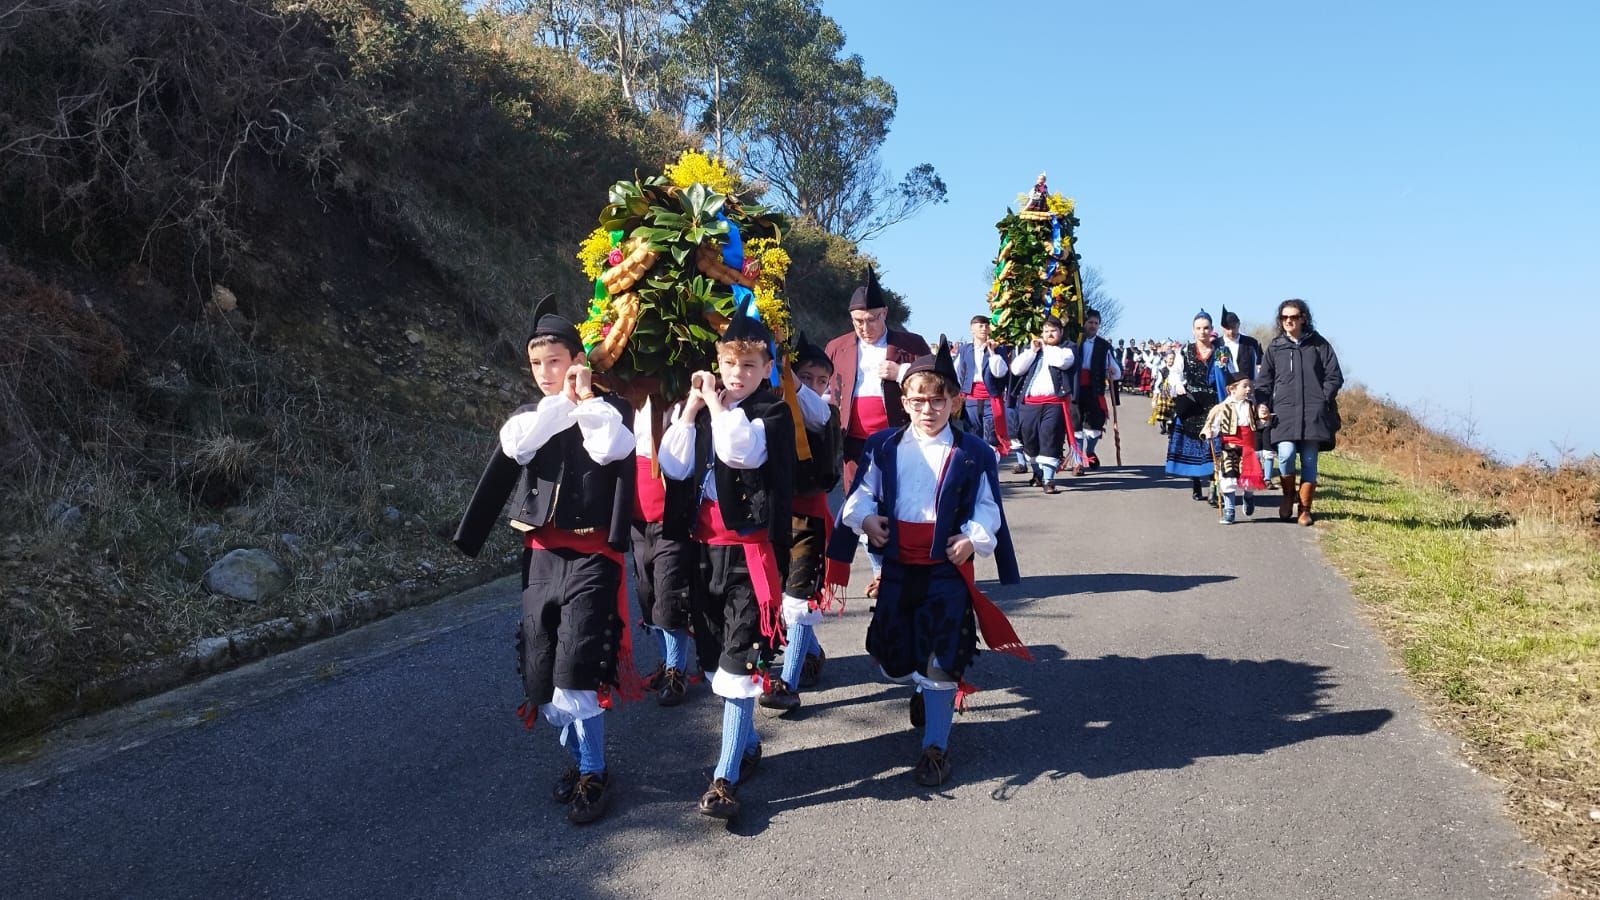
column 1299, row 388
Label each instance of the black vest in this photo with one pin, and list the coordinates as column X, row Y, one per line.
column 1100, row 350
column 750, row 499
column 821, row 472
column 1060, row 381
column 561, row 486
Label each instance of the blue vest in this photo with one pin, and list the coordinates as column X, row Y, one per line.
column 971, row 462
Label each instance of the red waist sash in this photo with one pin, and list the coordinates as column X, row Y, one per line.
column 916, row 544
column 980, row 391
column 758, row 556
column 1040, row 399
column 1251, row 477
column 649, row 493
column 868, row 416
column 629, row 685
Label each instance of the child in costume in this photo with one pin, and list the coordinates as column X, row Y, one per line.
column 803, row 598
column 566, row 464
column 664, row 569
column 929, row 496
column 729, row 460
column 1043, row 383
column 1233, row 423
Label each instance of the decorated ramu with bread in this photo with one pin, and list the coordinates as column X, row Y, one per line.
column 674, row 255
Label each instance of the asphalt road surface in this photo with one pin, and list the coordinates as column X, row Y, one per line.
column 1207, row 716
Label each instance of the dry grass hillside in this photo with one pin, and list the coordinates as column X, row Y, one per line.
column 264, row 271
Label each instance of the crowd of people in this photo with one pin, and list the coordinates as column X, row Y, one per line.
column 722, row 502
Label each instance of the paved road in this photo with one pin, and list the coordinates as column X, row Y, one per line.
column 1207, row 717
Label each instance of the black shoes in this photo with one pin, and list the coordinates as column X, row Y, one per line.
column 673, row 686
column 652, row 682
column 933, row 769
column 779, row 697
column 590, row 798
column 811, row 669
column 721, row 800
column 1019, row 469
column 561, row 791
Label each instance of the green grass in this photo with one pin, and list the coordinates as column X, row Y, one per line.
column 1499, row 621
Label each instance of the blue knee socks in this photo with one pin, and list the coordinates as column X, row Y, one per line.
column 1022, row 458
column 569, row 739
column 799, row 641
column 814, row 646
column 676, row 654
column 591, row 744
column 940, row 707
column 1089, row 444
column 738, row 724
column 661, row 642
column 1047, row 473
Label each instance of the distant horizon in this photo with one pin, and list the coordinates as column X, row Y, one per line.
column 1419, row 177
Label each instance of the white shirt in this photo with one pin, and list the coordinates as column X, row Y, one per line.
column 813, row 409
column 1233, row 352
column 1113, row 368
column 1042, row 385
column 737, row 441
column 868, row 358
column 983, row 359
column 920, row 465
column 605, row 437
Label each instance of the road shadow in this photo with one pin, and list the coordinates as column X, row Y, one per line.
column 1045, row 587
column 1103, row 479
column 1096, row 718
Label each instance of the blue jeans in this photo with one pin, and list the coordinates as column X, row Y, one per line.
column 1307, row 451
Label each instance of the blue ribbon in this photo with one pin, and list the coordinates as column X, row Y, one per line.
column 1050, row 268
column 744, row 300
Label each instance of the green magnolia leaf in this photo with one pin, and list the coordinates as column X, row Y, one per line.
column 680, row 252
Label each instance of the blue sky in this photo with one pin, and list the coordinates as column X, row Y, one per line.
column 1426, row 175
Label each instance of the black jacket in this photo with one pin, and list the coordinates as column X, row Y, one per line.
column 1300, row 383
column 1249, row 355
column 561, row 486
column 749, row 498
column 821, row 471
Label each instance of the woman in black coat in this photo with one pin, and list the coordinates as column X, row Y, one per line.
column 1299, row 388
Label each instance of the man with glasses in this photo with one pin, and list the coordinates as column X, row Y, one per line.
column 1299, row 388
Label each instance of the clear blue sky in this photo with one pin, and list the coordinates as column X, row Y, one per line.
column 1425, row 175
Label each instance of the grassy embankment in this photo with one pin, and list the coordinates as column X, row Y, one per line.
column 265, row 268
column 1487, row 581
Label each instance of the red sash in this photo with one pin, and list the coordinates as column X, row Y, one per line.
column 629, row 685
column 1032, row 400
column 980, row 391
column 758, row 556
column 868, row 416
column 1251, row 477
column 650, row 492
column 916, row 543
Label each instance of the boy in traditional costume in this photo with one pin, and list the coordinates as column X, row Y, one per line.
column 729, row 460
column 928, row 496
column 1043, row 384
column 803, row 597
column 664, row 569
column 566, row 464
column 1233, row 422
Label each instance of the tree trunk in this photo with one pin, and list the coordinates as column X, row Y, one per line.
column 716, row 104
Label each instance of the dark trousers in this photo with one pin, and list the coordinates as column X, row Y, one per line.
column 663, row 576
column 728, row 617
column 570, row 626
column 981, row 417
column 922, row 622
column 1044, row 429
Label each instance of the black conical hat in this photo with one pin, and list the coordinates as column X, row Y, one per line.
column 546, row 321
column 807, row 352
column 939, row 362
column 744, row 326
column 868, row 295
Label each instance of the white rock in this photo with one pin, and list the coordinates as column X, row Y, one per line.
column 248, row 575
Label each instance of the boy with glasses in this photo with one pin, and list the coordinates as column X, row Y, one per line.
column 928, row 496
